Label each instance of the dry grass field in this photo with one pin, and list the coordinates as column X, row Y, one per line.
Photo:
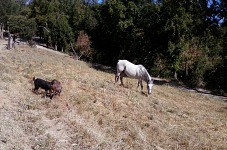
column 94, row 113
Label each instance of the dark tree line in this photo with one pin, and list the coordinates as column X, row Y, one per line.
column 181, row 39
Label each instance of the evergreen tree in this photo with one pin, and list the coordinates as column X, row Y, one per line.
column 52, row 23
column 9, row 7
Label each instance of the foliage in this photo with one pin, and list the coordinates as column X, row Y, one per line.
column 22, row 26
column 116, row 34
column 82, row 17
column 52, row 23
column 83, row 45
column 9, row 7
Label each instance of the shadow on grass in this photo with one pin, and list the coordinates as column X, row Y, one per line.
column 176, row 84
column 103, row 68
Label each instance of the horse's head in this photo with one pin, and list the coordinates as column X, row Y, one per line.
column 149, row 86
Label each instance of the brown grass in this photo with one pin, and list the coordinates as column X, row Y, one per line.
column 94, row 113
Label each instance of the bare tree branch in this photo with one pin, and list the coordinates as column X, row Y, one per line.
column 77, row 56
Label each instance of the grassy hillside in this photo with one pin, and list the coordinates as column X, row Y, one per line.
column 94, row 113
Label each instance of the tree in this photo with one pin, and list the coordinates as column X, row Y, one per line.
column 82, row 17
column 1, row 30
column 25, row 28
column 83, row 44
column 114, row 37
column 152, row 40
column 53, row 25
column 9, row 7
column 60, row 32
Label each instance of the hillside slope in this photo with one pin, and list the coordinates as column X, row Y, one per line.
column 94, row 113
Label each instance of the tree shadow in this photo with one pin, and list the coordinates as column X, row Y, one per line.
column 176, row 84
column 103, row 68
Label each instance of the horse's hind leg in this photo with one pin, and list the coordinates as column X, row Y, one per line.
column 138, row 84
column 121, row 79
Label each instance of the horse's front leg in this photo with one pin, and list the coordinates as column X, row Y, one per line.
column 140, row 84
column 117, row 77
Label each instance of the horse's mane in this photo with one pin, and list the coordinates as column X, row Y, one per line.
column 147, row 77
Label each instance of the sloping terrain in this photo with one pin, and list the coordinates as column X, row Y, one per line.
column 94, row 113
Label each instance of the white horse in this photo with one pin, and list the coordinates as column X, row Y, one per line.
column 126, row 68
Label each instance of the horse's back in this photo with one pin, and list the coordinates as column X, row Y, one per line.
column 125, row 63
column 130, row 69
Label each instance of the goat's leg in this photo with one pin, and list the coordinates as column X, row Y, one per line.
column 47, row 93
column 51, row 95
column 44, row 94
column 57, row 93
column 35, row 90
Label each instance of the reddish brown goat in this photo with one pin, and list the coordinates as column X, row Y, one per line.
column 56, row 88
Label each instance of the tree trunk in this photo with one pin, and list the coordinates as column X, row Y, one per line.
column 1, row 30
column 76, row 55
column 10, row 42
column 175, row 75
column 1, row 35
column 55, row 47
column 186, row 71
